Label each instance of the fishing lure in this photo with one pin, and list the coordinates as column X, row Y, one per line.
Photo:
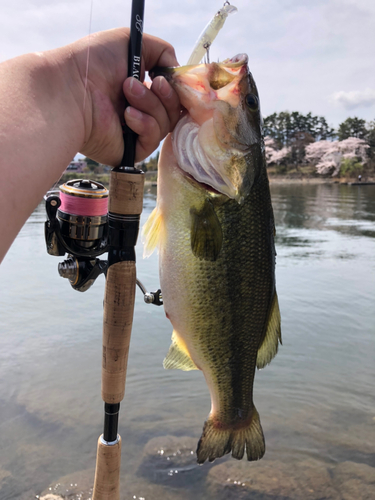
column 209, row 34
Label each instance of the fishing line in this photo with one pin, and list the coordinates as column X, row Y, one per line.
column 88, row 56
column 83, row 197
column 83, row 206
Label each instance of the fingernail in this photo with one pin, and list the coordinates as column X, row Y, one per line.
column 137, row 88
column 164, row 88
column 134, row 113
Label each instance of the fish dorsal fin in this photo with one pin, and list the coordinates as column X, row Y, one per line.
column 152, row 232
column 178, row 357
column 268, row 349
column 206, row 233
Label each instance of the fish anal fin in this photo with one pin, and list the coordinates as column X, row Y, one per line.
column 206, row 232
column 268, row 349
column 152, row 232
column 178, row 357
column 216, row 441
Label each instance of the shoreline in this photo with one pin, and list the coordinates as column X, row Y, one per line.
column 279, row 179
column 273, row 179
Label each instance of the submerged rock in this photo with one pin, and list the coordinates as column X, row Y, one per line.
column 171, row 460
column 354, row 481
column 75, row 486
column 271, row 480
column 79, row 486
column 133, row 488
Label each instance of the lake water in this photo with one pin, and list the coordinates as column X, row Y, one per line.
column 316, row 399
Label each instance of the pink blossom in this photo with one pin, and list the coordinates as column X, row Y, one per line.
column 329, row 155
column 352, row 147
column 279, row 155
column 269, row 142
column 274, row 155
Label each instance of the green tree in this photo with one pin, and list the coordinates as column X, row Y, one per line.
column 352, row 127
column 298, row 143
column 144, row 166
column 152, row 163
column 285, row 127
column 91, row 164
column 351, row 167
column 319, row 128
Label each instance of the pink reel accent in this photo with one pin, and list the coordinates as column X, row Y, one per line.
column 85, row 207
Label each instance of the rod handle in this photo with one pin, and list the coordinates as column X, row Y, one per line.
column 107, row 472
column 126, row 192
column 117, row 325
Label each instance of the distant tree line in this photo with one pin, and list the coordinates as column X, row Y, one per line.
column 288, row 128
column 284, row 127
column 290, row 138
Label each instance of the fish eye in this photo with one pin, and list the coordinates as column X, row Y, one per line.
column 252, row 102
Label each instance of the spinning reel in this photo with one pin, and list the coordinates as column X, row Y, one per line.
column 78, row 225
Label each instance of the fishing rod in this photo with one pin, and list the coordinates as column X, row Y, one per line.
column 86, row 220
column 124, row 210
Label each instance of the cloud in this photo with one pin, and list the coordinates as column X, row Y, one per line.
column 355, row 99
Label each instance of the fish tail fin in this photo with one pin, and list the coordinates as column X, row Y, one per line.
column 216, row 442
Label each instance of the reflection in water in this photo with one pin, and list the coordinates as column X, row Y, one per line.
column 316, row 399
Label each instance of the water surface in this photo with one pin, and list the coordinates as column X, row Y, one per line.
column 316, row 399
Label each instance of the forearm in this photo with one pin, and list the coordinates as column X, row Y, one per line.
column 41, row 129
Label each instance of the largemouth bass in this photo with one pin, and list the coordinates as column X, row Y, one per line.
column 214, row 227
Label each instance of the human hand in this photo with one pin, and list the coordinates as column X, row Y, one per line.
column 152, row 113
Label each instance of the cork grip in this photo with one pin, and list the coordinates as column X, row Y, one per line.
column 126, row 193
column 126, row 198
column 117, row 325
column 107, row 473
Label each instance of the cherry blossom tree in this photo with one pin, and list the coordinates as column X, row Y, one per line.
column 274, row 155
column 329, row 156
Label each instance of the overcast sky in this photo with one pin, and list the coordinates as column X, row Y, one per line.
column 305, row 55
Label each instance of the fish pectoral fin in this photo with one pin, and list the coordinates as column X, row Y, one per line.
column 268, row 349
column 152, row 232
column 178, row 357
column 206, row 233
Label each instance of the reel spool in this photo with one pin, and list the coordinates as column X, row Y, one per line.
column 83, row 213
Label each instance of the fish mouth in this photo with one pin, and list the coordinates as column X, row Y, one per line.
column 219, row 74
column 202, row 143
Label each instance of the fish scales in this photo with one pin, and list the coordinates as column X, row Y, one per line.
column 217, row 264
